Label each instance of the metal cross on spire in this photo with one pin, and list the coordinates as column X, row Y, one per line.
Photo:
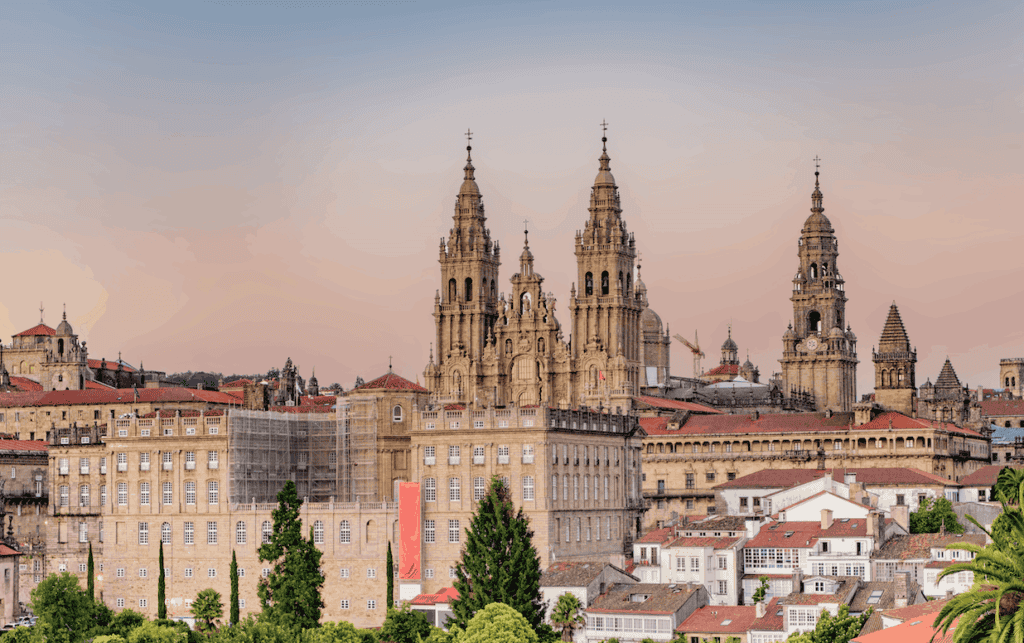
column 389, row 363
column 469, row 137
column 604, row 135
column 40, row 312
column 817, row 162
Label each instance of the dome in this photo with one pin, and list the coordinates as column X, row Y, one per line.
column 64, row 328
column 650, row 322
column 729, row 344
column 849, row 335
column 789, row 334
column 747, row 365
column 836, row 332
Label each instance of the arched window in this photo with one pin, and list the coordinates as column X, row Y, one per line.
column 589, row 284
column 267, row 531
column 1007, row 383
column 494, row 292
column 604, row 282
column 814, row 321
column 345, row 532
column 396, row 413
column 540, row 345
column 318, row 532
column 165, row 533
column 453, row 294
column 629, row 291
column 620, row 282
column 240, row 534
column 508, row 346
column 60, row 346
column 469, row 289
column 814, row 271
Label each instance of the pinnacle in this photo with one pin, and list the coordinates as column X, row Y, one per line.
column 947, row 376
column 894, row 335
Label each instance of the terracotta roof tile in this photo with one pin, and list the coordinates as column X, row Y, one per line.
column 731, row 619
column 446, row 595
column 97, row 386
column 38, row 329
column 391, row 381
column 786, row 478
column 675, row 405
column 984, row 477
column 719, row 542
column 916, row 611
column 117, row 396
column 657, row 536
column 571, row 573
column 918, row 630
column 662, row 599
column 724, row 369
column 773, row 620
column 993, row 408
column 23, row 445
column 111, row 365
column 918, row 546
column 25, row 385
column 7, row 551
column 803, row 534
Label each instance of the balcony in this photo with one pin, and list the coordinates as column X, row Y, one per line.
column 801, row 455
column 502, row 459
column 122, row 466
column 478, row 459
column 527, row 459
column 189, row 466
column 429, row 460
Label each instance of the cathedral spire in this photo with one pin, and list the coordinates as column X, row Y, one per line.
column 469, row 182
column 526, row 259
column 604, row 174
column 816, row 196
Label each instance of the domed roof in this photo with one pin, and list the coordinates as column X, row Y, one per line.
column 817, row 222
column 64, row 328
column 836, row 332
column 789, row 334
column 604, row 175
column 849, row 334
column 748, row 365
column 650, row 321
column 729, row 344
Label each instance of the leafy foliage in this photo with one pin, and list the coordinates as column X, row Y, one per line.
column 207, row 609
column 404, row 626
column 499, row 563
column 340, row 632
column 1007, row 486
column 931, row 516
column 91, row 576
column 150, row 632
column 233, row 572
column 252, row 630
column 834, row 629
column 762, row 589
column 993, row 610
column 390, row 570
column 498, row 623
column 290, row 595
column 62, row 606
column 567, row 615
column 161, row 587
column 125, row 621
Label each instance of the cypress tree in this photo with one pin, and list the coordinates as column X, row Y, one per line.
column 499, row 562
column 234, row 588
column 391, row 579
column 161, row 594
column 91, row 580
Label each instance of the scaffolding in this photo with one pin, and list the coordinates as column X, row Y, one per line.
column 331, row 457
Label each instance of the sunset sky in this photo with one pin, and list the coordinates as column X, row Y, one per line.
column 221, row 185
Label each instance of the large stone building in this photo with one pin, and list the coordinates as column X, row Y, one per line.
column 493, row 351
column 895, row 386
column 818, row 355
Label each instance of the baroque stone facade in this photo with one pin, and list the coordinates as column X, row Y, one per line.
column 818, row 355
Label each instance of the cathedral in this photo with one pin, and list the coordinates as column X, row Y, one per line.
column 818, row 356
column 494, row 351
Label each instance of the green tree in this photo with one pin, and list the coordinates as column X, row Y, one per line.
column 161, row 587
column 290, row 595
column 993, row 610
column 253, row 630
column 1007, row 486
column 340, row 632
column 931, row 516
column 90, row 579
column 62, row 605
column 499, row 563
column 567, row 615
column 833, row 629
column 762, row 589
column 497, row 623
column 234, row 588
column 109, row 638
column 150, row 632
column 207, row 609
column 125, row 621
column 390, row 567
column 404, row 626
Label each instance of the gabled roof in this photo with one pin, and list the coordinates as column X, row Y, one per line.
column 993, row 408
column 786, row 478
column 111, row 365
column 910, row 612
column 25, row 385
column 900, row 421
column 919, row 546
column 657, row 536
column 803, row 534
column 731, row 619
column 38, row 329
column 23, row 445
column 116, row 396
column 99, row 386
column 7, row 551
column 918, row 630
column 985, row 476
column 724, row 369
column 446, row 595
column 674, row 405
column 662, row 599
column 700, row 425
column 393, row 382
column 894, row 335
column 573, row 573
column 772, row 621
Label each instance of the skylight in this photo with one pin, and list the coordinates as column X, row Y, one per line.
column 875, row 597
column 727, row 621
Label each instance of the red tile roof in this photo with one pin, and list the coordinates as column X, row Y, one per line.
column 656, row 426
column 766, row 423
column 111, row 365
column 318, row 400
column 302, row 409
column 983, row 477
column 900, row 421
column 773, row 620
column 239, row 383
column 919, row 546
column 98, row 386
column 391, row 381
column 711, row 619
column 7, row 551
column 24, row 384
column 38, row 329
column 23, row 445
column 117, row 396
column 657, row 536
column 804, row 534
column 785, row 478
column 918, row 630
column 674, row 405
column 717, row 542
column 446, row 595
column 992, row 408
column 724, row 369
column 911, row 612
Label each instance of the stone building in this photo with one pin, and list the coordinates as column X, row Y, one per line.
column 947, row 400
column 686, row 457
column 53, row 357
column 895, row 361
column 493, row 351
column 818, row 355
column 1011, row 375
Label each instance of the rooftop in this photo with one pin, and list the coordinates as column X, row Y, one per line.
column 114, row 396
column 984, row 477
column 733, row 619
column 918, row 630
column 446, row 595
column 673, row 405
column 786, row 478
column 772, row 621
column 656, row 598
column 38, row 329
column 391, row 381
column 919, row 546
column 992, row 408
column 572, row 574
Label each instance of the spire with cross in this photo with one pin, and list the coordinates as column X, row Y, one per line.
column 40, row 312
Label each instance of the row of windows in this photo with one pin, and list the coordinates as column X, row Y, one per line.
column 480, row 485
column 590, row 530
column 430, row 531
column 598, row 487
column 455, row 454
column 166, row 494
column 784, row 445
column 166, row 458
column 585, row 461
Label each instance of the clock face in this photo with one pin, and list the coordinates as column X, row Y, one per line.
column 812, row 344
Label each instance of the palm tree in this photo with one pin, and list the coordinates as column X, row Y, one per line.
column 1008, row 484
column 993, row 610
column 566, row 615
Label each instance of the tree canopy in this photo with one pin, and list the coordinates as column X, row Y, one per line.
column 290, row 594
column 404, row 626
column 207, row 609
column 499, row 562
column 834, row 629
column 497, row 623
column 62, row 605
column 567, row 615
column 933, row 515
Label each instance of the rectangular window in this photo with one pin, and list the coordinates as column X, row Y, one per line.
column 528, row 488
column 120, row 572
column 453, row 531
column 65, row 495
column 211, row 572
column 478, row 424
column 694, row 564
column 372, row 604
column 723, row 587
column 454, row 490
column 212, row 459
column 190, row 459
column 344, row 603
column 527, row 454
column 143, row 462
column 428, row 531
column 453, row 454
column 344, row 572
column 428, row 455
column 478, row 455
column 213, row 492
column 211, row 533
column 479, row 488
column 143, row 602
column 143, row 572
column 503, row 454
column 144, row 493
column 190, row 492
column 371, row 572
column 188, row 572
column 190, row 533
column 143, row 533
column 430, row 490
column 167, row 462
column 168, row 494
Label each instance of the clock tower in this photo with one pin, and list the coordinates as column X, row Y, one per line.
column 819, row 357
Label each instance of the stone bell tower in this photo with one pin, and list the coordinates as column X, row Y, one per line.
column 895, row 364
column 819, row 357
column 466, row 304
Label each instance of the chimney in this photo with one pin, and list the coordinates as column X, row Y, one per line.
column 901, row 516
column 872, row 521
column 798, row 580
column 755, row 415
column 849, row 477
column 760, row 608
column 826, row 519
column 902, row 587
column 949, row 594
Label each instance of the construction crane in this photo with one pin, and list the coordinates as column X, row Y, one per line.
column 695, row 349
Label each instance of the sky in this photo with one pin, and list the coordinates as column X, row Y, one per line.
column 222, row 185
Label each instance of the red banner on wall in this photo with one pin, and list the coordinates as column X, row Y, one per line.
column 409, row 530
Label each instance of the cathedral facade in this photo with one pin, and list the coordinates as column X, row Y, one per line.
column 818, row 356
column 494, row 351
